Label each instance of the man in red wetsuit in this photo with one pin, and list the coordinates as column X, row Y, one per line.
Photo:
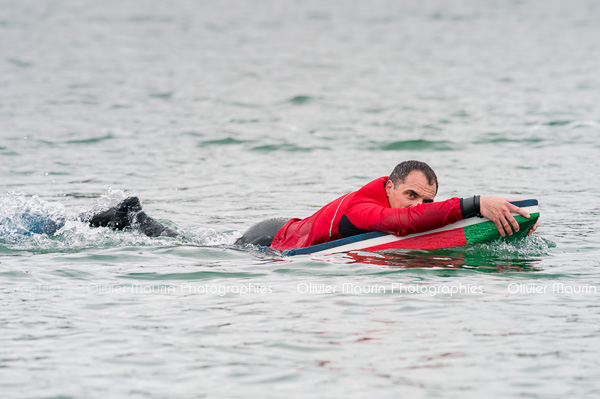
column 400, row 204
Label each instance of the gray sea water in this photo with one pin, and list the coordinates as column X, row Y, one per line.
column 219, row 114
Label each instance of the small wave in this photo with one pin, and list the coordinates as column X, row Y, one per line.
column 281, row 147
column 558, row 123
column 225, row 141
column 20, row 63
column 91, row 140
column 162, row 96
column 242, row 121
column 301, row 100
column 415, row 145
column 6, row 152
column 505, row 140
column 192, row 133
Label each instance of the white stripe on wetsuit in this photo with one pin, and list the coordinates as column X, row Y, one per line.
column 335, row 214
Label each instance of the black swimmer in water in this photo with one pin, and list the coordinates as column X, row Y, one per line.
column 129, row 214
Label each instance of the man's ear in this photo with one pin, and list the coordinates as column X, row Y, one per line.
column 389, row 186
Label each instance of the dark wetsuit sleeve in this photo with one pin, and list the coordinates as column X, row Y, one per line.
column 470, row 207
column 370, row 216
column 347, row 229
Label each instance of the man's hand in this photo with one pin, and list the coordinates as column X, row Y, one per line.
column 498, row 210
column 534, row 228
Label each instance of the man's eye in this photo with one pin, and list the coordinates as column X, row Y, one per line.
column 411, row 195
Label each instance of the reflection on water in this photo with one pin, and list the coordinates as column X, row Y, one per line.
column 462, row 257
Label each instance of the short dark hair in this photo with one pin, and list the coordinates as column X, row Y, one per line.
column 403, row 169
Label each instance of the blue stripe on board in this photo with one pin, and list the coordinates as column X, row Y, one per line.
column 525, row 203
column 333, row 244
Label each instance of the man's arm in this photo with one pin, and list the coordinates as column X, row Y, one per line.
column 370, row 216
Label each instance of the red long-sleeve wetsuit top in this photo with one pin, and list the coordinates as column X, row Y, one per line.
column 367, row 209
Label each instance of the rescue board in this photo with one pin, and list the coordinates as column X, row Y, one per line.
column 467, row 231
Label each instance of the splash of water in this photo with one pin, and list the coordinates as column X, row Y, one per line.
column 25, row 216
column 30, row 223
column 522, row 247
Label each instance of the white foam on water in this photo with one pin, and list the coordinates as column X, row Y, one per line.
column 524, row 247
column 20, row 216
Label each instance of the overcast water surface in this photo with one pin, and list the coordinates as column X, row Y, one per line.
column 220, row 114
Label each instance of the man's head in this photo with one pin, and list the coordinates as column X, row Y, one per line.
column 411, row 183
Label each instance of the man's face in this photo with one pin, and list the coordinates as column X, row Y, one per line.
column 415, row 190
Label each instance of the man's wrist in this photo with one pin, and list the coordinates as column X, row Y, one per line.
column 470, row 206
column 478, row 205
